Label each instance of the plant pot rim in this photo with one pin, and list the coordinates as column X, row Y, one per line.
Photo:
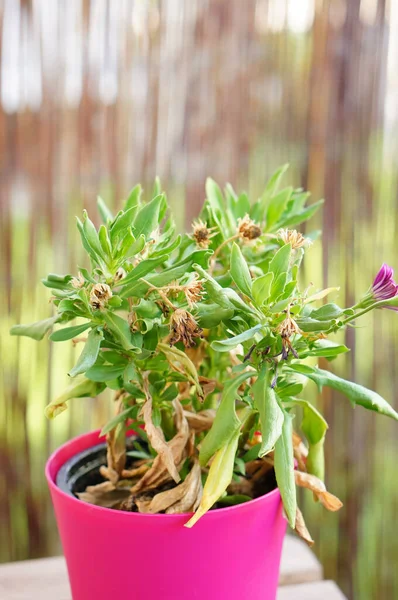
column 94, row 436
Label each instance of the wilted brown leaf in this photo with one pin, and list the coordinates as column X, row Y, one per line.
column 133, row 473
column 201, row 421
column 156, row 436
column 104, row 494
column 181, row 498
column 301, row 528
column 158, row 474
column 116, row 453
column 317, row 486
column 300, row 451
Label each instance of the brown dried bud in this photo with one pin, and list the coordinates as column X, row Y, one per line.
column 184, row 327
column 294, row 238
column 202, row 234
column 247, row 228
column 194, row 291
column 286, row 329
column 100, row 293
column 78, row 282
column 120, row 274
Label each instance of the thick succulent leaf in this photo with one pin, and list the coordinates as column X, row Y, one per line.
column 89, row 353
column 358, row 394
column 271, row 415
column 147, row 219
column 80, row 388
column 37, row 330
column 219, row 477
column 280, row 261
column 314, row 428
column 68, row 333
column 284, row 469
column 226, row 421
column 261, row 288
column 240, row 271
column 104, row 211
column 230, row 343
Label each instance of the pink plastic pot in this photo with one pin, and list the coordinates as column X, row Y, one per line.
column 230, row 554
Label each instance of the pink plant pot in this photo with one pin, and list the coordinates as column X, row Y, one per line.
column 231, row 554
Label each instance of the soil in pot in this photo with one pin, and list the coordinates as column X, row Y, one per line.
column 81, row 477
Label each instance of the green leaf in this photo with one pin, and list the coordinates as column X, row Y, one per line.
column 358, row 394
column 142, row 269
column 240, row 271
column 104, row 211
column 214, row 195
column 105, row 372
column 211, row 315
column 226, row 421
column 37, row 330
column 80, row 388
column 89, row 353
column 314, row 428
column 121, row 226
column 278, row 286
column 147, row 218
column 276, row 207
column 69, row 333
column 219, row 477
column 57, row 282
column 105, row 241
column 325, row 348
column 304, row 215
column 91, row 235
column 120, row 418
column 284, row 469
column 120, row 329
column 327, row 312
column 271, row 415
column 308, row 325
column 280, row 262
column 134, row 197
column 228, row 344
column 261, row 288
column 233, row 500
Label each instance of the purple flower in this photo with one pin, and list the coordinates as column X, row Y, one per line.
column 384, row 286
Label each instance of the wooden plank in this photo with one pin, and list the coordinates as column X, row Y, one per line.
column 318, row 590
column 46, row 579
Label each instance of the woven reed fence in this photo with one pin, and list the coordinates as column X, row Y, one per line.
column 95, row 96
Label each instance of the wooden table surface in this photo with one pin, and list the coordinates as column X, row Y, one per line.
column 46, row 579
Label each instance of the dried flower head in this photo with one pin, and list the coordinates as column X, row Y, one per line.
column 78, row 282
column 183, row 327
column 294, row 238
column 100, row 293
column 194, row 291
column 286, row 329
column 120, row 274
column 202, row 234
column 248, row 229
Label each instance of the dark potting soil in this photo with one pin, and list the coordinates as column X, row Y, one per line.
column 83, row 470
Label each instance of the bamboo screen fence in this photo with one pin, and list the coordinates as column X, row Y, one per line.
column 97, row 95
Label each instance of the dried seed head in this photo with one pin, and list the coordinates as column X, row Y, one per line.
column 100, row 293
column 194, row 291
column 78, row 282
column 248, row 229
column 202, row 234
column 293, row 237
column 184, row 327
column 120, row 274
column 286, row 329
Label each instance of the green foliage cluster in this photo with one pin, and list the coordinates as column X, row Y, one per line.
column 221, row 304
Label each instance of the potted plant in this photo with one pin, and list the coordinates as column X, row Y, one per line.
column 207, row 340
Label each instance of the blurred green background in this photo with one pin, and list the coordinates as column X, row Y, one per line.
column 96, row 96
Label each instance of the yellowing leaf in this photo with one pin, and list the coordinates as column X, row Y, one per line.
column 218, row 479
